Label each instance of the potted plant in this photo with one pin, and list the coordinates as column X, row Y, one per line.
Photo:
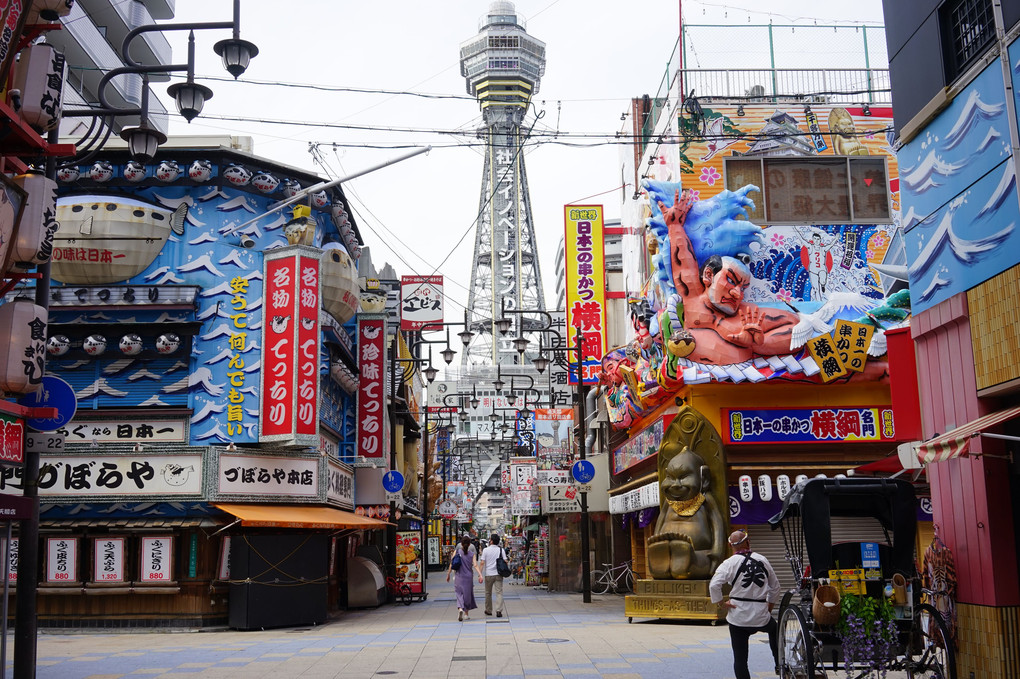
column 867, row 630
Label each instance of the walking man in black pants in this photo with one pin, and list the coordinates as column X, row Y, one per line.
column 754, row 590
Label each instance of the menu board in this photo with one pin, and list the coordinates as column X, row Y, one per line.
column 409, row 565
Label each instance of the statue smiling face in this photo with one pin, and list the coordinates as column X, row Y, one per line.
column 686, row 477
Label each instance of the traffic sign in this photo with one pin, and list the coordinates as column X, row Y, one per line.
column 55, row 393
column 583, row 471
column 393, row 481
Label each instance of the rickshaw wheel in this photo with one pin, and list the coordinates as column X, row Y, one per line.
column 931, row 647
column 796, row 648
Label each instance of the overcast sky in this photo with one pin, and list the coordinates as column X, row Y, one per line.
column 420, row 212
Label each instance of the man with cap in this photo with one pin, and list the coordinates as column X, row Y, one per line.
column 754, row 590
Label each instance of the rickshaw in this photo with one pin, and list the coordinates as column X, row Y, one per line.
column 808, row 643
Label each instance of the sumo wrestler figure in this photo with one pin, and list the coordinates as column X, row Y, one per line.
column 690, row 535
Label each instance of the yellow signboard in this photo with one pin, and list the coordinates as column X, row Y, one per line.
column 585, row 273
column 823, row 350
column 852, row 341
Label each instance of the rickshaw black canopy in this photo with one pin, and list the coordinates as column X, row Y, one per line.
column 890, row 501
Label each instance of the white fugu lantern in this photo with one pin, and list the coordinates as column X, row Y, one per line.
column 33, row 243
column 23, row 354
column 48, row 10
column 746, row 488
column 39, row 74
column 765, row 487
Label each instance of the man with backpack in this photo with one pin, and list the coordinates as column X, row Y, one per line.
column 754, row 590
column 489, row 565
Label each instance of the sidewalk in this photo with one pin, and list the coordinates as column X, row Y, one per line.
column 544, row 635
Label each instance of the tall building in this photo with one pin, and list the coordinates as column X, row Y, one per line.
column 503, row 66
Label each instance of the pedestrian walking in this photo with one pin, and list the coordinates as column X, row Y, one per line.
column 463, row 581
column 489, row 574
column 754, row 591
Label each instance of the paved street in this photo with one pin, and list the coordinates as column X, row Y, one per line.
column 545, row 635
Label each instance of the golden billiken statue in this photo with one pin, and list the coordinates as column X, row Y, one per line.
column 690, row 535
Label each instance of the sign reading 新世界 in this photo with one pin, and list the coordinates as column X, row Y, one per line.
column 809, row 425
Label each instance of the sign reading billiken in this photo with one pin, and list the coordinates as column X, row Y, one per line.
column 290, row 348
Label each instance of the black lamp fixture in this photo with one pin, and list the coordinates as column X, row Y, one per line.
column 541, row 363
column 498, row 382
column 465, row 336
column 189, row 96
column 430, row 374
column 503, row 325
column 493, row 416
column 448, row 354
column 474, row 399
column 521, row 344
column 451, row 428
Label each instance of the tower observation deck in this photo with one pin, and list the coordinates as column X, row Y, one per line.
column 503, row 67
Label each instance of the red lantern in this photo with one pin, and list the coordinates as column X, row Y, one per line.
column 23, row 356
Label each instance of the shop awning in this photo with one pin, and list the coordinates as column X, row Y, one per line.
column 957, row 442
column 298, row 516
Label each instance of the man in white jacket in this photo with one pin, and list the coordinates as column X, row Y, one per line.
column 754, row 590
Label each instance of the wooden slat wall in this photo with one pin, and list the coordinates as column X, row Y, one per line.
column 994, row 330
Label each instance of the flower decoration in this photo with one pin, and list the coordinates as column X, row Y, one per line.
column 779, row 240
column 867, row 630
column 710, row 175
column 869, row 254
column 879, row 239
column 784, row 295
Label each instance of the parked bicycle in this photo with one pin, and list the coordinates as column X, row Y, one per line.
column 400, row 591
column 618, row 578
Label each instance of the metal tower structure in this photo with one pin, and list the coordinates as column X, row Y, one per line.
column 503, row 66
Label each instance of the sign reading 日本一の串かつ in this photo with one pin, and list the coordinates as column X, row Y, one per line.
column 809, row 425
column 585, row 288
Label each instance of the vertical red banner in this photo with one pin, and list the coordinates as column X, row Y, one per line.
column 279, row 351
column 371, row 391
column 308, row 348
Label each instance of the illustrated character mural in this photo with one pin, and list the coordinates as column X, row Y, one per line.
column 690, row 535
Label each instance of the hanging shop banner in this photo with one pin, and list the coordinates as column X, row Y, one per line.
column 12, row 21
column 371, row 393
column 409, row 564
column 852, row 341
column 132, row 474
column 809, row 425
column 639, row 498
column 585, row 288
column 12, row 436
column 640, row 446
column 263, row 475
column 156, row 564
column 290, row 348
column 340, row 485
column 61, row 560
column 223, row 563
column 421, row 302
column 108, row 560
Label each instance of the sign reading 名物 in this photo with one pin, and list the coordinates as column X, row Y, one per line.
column 61, row 560
column 586, row 290
column 156, row 562
column 131, row 474
column 108, row 559
column 421, row 302
column 371, row 392
column 808, row 425
column 264, row 475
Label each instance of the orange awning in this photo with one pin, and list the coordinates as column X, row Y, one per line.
column 957, row 442
column 298, row 516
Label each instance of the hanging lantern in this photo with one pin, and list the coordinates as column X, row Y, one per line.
column 168, row 343
column 23, row 354
column 765, row 488
column 131, row 345
column 801, row 478
column 238, row 175
column 58, row 345
column 94, row 345
column 134, row 171
column 33, row 243
column 265, row 182
column 746, row 488
column 12, row 205
column 200, row 171
column 48, row 10
column 101, row 171
column 291, row 187
column 340, row 290
column 320, row 199
column 39, row 74
column 168, row 171
column 68, row 173
column 783, row 486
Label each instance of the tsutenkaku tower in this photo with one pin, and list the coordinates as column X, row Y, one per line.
column 503, row 66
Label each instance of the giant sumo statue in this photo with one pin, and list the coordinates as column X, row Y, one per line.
column 690, row 535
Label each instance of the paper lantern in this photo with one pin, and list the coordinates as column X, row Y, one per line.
column 131, row 345
column 801, row 478
column 101, row 171
column 200, row 171
column 33, row 243
column 783, row 486
column 340, row 290
column 238, row 175
column 291, row 187
column 39, row 74
column 68, row 173
column 58, row 345
column 168, row 171
column 320, row 199
column 134, row 171
column 746, row 488
column 94, row 345
column 765, row 488
column 23, row 353
column 48, row 10
column 265, row 182
column 168, row 343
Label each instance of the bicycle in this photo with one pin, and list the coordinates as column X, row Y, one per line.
column 619, row 578
column 400, row 591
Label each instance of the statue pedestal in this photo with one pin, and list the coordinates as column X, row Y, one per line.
column 677, row 599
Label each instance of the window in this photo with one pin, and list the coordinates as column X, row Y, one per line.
column 968, row 27
column 814, row 190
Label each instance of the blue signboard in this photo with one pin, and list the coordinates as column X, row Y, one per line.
column 392, row 481
column 809, row 425
column 55, row 393
column 869, row 555
column 583, row 471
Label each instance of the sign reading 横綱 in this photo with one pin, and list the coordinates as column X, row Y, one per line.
column 371, row 393
column 586, row 290
column 421, row 302
column 809, row 425
column 290, row 348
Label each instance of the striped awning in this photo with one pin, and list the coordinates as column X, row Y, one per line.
column 957, row 442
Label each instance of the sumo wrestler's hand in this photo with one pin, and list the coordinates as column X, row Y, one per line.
column 677, row 214
column 751, row 318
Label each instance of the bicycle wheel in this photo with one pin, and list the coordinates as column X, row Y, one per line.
column 600, row 582
column 627, row 582
column 932, row 645
column 796, row 657
column 405, row 594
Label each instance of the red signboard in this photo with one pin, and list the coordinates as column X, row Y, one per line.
column 371, row 392
column 290, row 348
column 12, row 435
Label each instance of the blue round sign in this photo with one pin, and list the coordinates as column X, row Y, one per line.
column 583, row 471
column 55, row 393
column 392, row 481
